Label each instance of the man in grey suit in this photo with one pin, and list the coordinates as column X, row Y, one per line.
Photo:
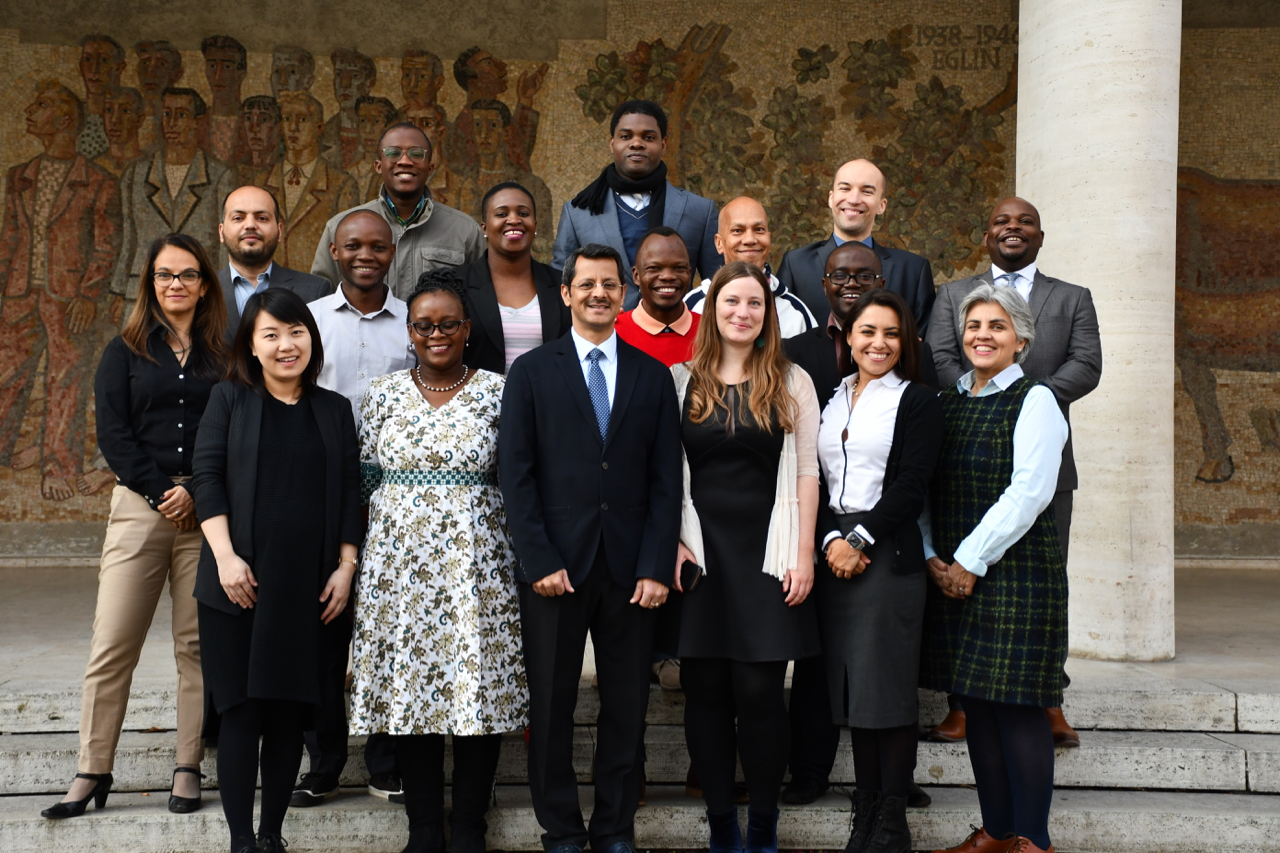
column 633, row 195
column 1067, row 356
column 857, row 197
column 250, row 229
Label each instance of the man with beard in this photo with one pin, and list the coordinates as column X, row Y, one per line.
column 353, row 76
column 250, row 229
column 260, row 115
column 373, row 115
column 101, row 62
column 159, row 69
column 632, row 195
column 1067, row 357
column 484, row 77
column 225, row 64
column 123, row 112
column 427, row 234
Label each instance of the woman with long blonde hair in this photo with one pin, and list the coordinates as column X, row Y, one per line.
column 749, row 424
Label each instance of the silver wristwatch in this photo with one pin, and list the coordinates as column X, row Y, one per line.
column 858, row 543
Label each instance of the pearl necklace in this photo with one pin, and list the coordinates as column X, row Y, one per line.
column 418, row 373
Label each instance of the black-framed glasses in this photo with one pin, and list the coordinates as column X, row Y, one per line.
column 186, row 277
column 417, row 155
column 842, row 277
column 589, row 286
column 448, row 327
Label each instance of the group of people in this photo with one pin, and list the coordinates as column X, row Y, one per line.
column 462, row 461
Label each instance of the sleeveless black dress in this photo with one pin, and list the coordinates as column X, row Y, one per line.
column 738, row 611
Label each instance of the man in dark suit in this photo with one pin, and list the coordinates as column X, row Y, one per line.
column 1067, row 357
column 250, row 229
column 857, row 197
column 633, row 195
column 851, row 270
column 589, row 464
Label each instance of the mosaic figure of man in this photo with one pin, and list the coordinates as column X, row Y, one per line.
column 225, row 65
column 159, row 69
column 101, row 63
column 484, row 77
column 260, row 115
column 123, row 113
column 374, row 116
column 353, row 76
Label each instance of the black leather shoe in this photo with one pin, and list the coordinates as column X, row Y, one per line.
column 313, row 790
column 271, row 844
column 75, row 808
column 184, row 805
column 801, row 792
column 918, row 798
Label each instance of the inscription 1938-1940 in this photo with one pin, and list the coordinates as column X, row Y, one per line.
column 973, row 47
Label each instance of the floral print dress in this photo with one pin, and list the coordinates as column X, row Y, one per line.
column 437, row 634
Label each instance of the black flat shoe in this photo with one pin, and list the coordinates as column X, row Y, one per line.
column 184, row 805
column 76, row 808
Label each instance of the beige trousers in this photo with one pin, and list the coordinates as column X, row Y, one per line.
column 142, row 550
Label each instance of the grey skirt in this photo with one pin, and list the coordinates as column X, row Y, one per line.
column 872, row 626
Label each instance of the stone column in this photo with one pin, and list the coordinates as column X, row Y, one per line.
column 1098, row 154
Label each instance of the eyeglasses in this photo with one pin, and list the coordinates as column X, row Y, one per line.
column 186, row 277
column 842, row 277
column 417, row 155
column 448, row 327
column 588, row 286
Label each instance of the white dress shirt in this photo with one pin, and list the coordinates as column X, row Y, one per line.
column 243, row 288
column 608, row 364
column 635, row 201
column 1038, row 439
column 1022, row 279
column 360, row 347
column 854, row 466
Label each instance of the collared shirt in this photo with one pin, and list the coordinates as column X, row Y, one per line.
column 794, row 317
column 1038, row 439
column 866, row 241
column 417, row 210
column 608, row 364
column 360, row 347
column 244, row 288
column 854, row 444
column 669, row 344
column 1022, row 279
column 295, row 184
column 635, row 201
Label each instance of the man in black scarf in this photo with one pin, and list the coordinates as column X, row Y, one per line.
column 632, row 195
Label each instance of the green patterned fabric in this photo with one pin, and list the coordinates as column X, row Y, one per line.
column 1007, row 642
column 372, row 476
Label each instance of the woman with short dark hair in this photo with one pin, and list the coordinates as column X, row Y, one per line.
column 151, row 389
column 277, row 483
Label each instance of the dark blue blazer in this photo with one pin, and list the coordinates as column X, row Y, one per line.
column 564, row 489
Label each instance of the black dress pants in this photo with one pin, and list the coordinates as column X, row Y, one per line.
column 555, row 633
column 327, row 743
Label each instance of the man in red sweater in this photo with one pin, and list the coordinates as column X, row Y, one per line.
column 661, row 325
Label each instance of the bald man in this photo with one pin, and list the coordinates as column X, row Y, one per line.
column 857, row 197
column 744, row 236
column 250, row 229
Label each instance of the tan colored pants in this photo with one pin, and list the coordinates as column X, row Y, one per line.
column 142, row 550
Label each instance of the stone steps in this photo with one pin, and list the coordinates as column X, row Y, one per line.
column 1082, row 822
column 1187, row 761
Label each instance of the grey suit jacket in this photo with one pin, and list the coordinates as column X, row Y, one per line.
column 1066, row 355
column 695, row 218
column 309, row 287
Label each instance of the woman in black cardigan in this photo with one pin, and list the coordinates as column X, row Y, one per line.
column 277, row 489
column 879, row 441
column 515, row 300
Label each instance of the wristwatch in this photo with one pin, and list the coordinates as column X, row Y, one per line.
column 858, row 543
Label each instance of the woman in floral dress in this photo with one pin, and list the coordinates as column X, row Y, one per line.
column 437, row 634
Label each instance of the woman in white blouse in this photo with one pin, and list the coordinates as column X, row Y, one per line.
column 878, row 443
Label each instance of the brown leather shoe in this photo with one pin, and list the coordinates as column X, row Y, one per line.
column 950, row 730
column 1024, row 845
column 1063, row 734
column 980, row 842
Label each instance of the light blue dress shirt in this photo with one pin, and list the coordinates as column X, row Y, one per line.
column 245, row 288
column 839, row 242
column 1038, row 439
column 359, row 348
column 608, row 364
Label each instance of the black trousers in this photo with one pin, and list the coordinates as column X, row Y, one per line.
column 327, row 743
column 555, row 633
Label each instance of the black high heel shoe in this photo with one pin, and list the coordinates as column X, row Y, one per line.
column 184, row 805
column 75, row 808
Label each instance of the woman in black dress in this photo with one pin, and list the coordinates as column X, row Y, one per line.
column 878, row 444
column 749, row 425
column 277, row 487
column 515, row 302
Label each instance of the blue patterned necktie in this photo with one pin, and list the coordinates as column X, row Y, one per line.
column 599, row 391
column 1004, row 280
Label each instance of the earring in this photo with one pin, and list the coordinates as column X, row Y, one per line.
column 760, row 342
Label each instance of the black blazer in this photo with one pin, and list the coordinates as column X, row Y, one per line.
column 816, row 353
column 309, row 287
column 564, row 489
column 486, row 349
column 906, row 274
column 225, row 478
column 917, row 442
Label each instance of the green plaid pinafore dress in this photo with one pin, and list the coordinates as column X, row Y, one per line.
column 1007, row 642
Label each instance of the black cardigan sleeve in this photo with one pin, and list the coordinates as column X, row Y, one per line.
column 350, row 523
column 209, row 465
column 918, row 442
